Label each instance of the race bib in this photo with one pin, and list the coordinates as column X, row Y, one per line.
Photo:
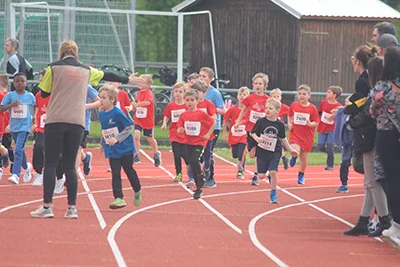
column 192, row 128
column 43, row 120
column 203, row 109
column 254, row 116
column 301, row 118
column 268, row 143
column 19, row 112
column 110, row 133
column 325, row 118
column 238, row 131
column 141, row 112
column 175, row 114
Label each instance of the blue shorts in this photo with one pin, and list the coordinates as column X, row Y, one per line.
column 265, row 163
column 146, row 132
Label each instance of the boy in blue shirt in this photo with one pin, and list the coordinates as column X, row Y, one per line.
column 20, row 103
column 117, row 143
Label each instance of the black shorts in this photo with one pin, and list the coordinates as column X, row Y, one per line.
column 84, row 139
column 238, row 151
column 250, row 142
column 146, row 132
column 267, row 162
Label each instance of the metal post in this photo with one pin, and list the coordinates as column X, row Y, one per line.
column 132, row 36
column 67, row 18
column 180, row 47
column 72, row 21
column 213, row 48
column 49, row 34
column 22, row 30
column 12, row 22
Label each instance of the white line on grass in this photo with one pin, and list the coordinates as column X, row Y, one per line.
column 96, row 209
column 208, row 206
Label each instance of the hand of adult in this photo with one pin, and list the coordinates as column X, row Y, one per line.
column 133, row 80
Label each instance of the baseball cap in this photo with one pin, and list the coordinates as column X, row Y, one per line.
column 386, row 40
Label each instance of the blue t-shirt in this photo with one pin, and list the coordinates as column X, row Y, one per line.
column 112, row 123
column 92, row 94
column 20, row 116
column 216, row 98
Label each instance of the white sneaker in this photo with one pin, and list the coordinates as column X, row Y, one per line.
column 38, row 180
column 14, row 179
column 59, row 188
column 393, row 231
column 1, row 173
column 27, row 173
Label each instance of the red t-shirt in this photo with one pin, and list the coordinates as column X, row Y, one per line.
column 255, row 109
column 208, row 107
column 236, row 135
column 325, row 109
column 301, row 133
column 173, row 111
column 196, row 124
column 123, row 101
column 41, row 105
column 284, row 111
column 144, row 116
column 3, row 115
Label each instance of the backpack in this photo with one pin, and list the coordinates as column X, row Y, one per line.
column 23, row 68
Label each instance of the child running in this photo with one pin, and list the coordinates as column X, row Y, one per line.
column 144, row 119
column 277, row 94
column 173, row 111
column 20, row 103
column 237, row 139
column 4, row 162
column 118, row 146
column 196, row 127
column 303, row 119
column 253, row 109
column 326, row 125
column 269, row 133
column 192, row 78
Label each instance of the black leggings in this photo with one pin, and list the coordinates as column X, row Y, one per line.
column 216, row 135
column 388, row 148
column 65, row 138
column 126, row 162
column 6, row 142
column 194, row 154
column 179, row 151
column 38, row 157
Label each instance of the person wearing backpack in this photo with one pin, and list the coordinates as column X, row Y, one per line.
column 16, row 63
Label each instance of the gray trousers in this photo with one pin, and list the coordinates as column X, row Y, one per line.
column 374, row 195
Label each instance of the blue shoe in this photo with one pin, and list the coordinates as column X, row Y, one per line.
column 300, row 179
column 342, row 189
column 210, row 184
column 207, row 174
column 273, row 199
column 292, row 161
column 87, row 163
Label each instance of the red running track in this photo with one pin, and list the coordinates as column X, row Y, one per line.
column 233, row 224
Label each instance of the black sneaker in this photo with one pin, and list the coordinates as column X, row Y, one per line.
column 285, row 161
column 197, row 194
column 157, row 159
column 87, row 164
column 254, row 180
column 136, row 159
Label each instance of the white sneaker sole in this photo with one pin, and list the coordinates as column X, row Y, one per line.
column 44, row 216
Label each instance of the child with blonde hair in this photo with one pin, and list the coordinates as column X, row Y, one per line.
column 303, row 119
column 144, row 119
column 237, row 139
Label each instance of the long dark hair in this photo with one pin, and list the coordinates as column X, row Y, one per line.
column 391, row 69
column 375, row 70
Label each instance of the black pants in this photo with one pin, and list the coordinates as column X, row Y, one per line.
column 216, row 135
column 6, row 142
column 388, row 148
column 126, row 162
column 65, row 138
column 179, row 151
column 194, row 154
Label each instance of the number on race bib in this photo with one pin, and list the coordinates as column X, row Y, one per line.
column 19, row 112
column 325, row 118
column 141, row 112
column 43, row 120
column 175, row 114
column 254, row 116
column 110, row 133
column 268, row 143
column 192, row 128
column 239, row 131
column 301, row 118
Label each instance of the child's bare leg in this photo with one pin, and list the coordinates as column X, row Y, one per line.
column 136, row 140
column 153, row 144
column 261, row 175
column 274, row 179
column 303, row 161
column 294, row 159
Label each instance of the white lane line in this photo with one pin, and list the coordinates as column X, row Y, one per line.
column 208, row 206
column 93, row 202
column 252, row 226
column 83, row 193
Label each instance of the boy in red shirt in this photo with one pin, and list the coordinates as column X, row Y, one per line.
column 196, row 127
column 208, row 107
column 173, row 111
column 253, row 109
column 144, row 119
column 5, row 161
column 326, row 125
column 237, row 139
column 277, row 94
column 302, row 121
